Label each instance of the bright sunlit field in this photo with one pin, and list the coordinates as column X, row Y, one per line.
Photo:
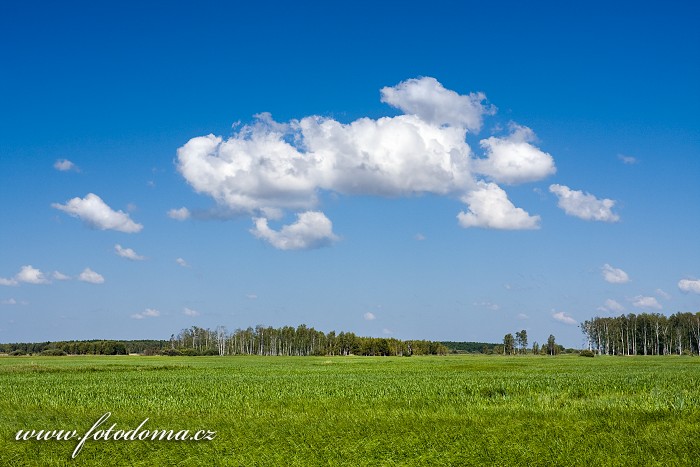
column 455, row 410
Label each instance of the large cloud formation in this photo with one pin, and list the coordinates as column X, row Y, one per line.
column 268, row 167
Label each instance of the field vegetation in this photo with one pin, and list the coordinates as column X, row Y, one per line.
column 429, row 410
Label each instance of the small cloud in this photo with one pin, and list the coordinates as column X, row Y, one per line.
column 369, row 316
column 90, row 276
column 251, row 296
column 629, row 160
column 564, row 318
column 30, row 275
column 426, row 98
column 641, row 301
column 663, row 294
column 190, row 312
column 387, row 332
column 127, row 253
column 488, row 305
column 8, row 282
column 9, row 301
column 311, row 230
column 419, row 237
column 584, row 205
column 523, row 316
column 689, row 286
column 64, row 165
column 512, row 159
column 97, row 214
column 182, row 263
column 614, row 275
column 179, row 214
column 490, row 208
column 59, row 276
column 611, row 305
column 148, row 313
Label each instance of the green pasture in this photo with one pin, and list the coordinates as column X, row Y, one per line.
column 280, row 411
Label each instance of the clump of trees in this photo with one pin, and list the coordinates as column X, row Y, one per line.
column 644, row 334
column 299, row 341
column 518, row 345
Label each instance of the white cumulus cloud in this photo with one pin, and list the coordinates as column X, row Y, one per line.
column 431, row 102
column 180, row 214
column 513, row 159
column 614, row 275
column 90, row 276
column 127, row 253
column 260, row 169
column 584, row 205
column 31, row 275
column 267, row 167
column 311, row 230
column 96, row 213
column 564, row 318
column 689, row 285
column 641, row 301
column 369, row 316
column 489, row 207
column 64, row 165
column 182, row 262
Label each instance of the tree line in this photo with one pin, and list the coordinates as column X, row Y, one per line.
column 287, row 341
column 92, row 347
column 644, row 334
column 290, row 341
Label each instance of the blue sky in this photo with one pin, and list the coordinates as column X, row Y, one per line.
column 451, row 171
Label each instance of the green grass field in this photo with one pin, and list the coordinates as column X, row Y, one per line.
column 456, row 410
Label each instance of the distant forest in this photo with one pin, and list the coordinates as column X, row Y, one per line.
column 469, row 347
column 287, row 340
column 643, row 334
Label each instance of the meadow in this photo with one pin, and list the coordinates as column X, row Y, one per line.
column 452, row 410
